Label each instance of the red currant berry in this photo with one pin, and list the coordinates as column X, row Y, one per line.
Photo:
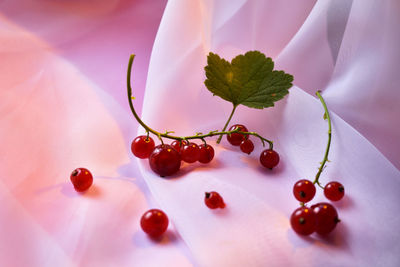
column 82, row 179
column 334, row 191
column 142, row 146
column 236, row 138
column 178, row 144
column 165, row 160
column 213, row 200
column 326, row 217
column 190, row 153
column 206, row 153
column 304, row 190
column 154, row 222
column 303, row 221
column 247, row 146
column 269, row 158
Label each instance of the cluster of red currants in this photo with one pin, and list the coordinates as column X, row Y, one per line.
column 165, row 160
column 269, row 158
column 322, row 217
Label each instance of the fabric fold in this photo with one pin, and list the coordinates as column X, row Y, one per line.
column 260, row 202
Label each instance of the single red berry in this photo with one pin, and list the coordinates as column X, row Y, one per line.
column 142, row 146
column 334, row 191
column 236, row 138
column 165, row 160
column 213, row 200
column 190, row 153
column 206, row 153
column 303, row 221
column 326, row 218
column 154, row 222
column 304, row 190
column 269, row 158
column 178, row 144
column 247, row 146
column 82, row 179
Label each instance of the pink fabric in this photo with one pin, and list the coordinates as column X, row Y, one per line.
column 63, row 105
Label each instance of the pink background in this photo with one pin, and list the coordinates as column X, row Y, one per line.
column 63, row 105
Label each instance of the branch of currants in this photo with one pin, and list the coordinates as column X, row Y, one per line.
column 182, row 138
column 322, row 217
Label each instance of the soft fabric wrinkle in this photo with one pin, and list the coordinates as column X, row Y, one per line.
column 367, row 58
column 296, row 126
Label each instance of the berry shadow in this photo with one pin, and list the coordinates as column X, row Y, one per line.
column 93, row 192
column 345, row 203
column 256, row 165
column 336, row 239
column 197, row 166
column 221, row 212
column 141, row 239
column 299, row 241
column 67, row 189
column 277, row 170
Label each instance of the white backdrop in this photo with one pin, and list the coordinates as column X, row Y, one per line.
column 347, row 49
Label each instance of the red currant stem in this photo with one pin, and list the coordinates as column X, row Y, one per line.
column 227, row 123
column 130, row 97
column 326, row 115
column 263, row 140
column 180, row 138
column 204, row 141
column 159, row 137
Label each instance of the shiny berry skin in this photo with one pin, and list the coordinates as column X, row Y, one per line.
column 179, row 144
column 190, row 153
column 236, row 138
column 206, row 153
column 269, row 158
column 303, row 221
column 213, row 200
column 142, row 146
column 154, row 222
column 82, row 179
column 247, row 146
column 334, row 191
column 304, row 190
column 326, row 218
column 165, row 160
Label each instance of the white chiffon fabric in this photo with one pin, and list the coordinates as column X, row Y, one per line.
column 347, row 49
column 63, row 105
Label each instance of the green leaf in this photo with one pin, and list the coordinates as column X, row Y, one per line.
column 248, row 80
